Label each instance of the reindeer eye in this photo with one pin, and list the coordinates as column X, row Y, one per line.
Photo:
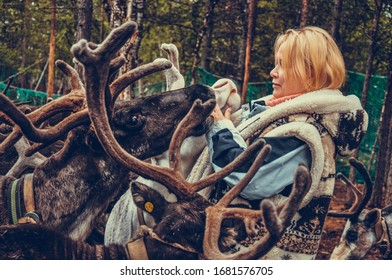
column 135, row 121
column 351, row 236
column 129, row 120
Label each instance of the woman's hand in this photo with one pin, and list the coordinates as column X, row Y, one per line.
column 218, row 115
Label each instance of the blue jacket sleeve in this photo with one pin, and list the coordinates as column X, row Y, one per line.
column 225, row 144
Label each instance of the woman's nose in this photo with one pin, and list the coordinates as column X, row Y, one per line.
column 274, row 73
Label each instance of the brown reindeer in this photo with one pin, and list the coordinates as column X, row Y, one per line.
column 71, row 188
column 365, row 228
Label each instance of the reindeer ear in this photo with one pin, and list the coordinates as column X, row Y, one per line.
column 92, row 142
column 371, row 218
column 148, row 199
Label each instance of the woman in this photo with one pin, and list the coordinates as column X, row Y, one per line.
column 306, row 120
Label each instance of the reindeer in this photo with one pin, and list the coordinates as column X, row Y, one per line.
column 70, row 189
column 365, row 228
column 170, row 238
column 125, row 218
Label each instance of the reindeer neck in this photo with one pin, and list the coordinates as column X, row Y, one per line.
column 35, row 242
column 75, row 185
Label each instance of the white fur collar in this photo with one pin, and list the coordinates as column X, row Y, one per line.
column 323, row 101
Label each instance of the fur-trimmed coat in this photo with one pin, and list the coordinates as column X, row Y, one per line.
column 330, row 123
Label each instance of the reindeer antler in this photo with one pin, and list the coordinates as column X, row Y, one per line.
column 41, row 135
column 117, row 86
column 72, row 102
column 361, row 199
column 275, row 223
column 172, row 53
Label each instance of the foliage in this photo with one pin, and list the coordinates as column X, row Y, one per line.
column 179, row 22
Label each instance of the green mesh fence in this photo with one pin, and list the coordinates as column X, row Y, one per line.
column 375, row 100
column 36, row 98
column 255, row 90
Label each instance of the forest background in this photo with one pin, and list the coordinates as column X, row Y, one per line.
column 228, row 38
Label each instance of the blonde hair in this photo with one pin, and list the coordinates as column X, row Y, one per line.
column 311, row 56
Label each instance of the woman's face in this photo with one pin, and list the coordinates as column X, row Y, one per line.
column 281, row 85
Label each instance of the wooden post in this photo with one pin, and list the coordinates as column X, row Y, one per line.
column 52, row 45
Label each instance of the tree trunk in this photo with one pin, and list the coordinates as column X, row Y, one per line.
column 26, row 19
column 85, row 13
column 135, row 12
column 304, row 14
column 83, row 30
column 242, row 45
column 105, row 11
column 383, row 177
column 196, row 56
column 207, row 46
column 52, row 45
column 118, row 13
column 249, row 39
column 137, row 15
column 369, row 66
column 337, row 16
column 102, row 22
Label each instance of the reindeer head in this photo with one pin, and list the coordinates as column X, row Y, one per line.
column 138, row 123
column 358, row 236
column 359, row 233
